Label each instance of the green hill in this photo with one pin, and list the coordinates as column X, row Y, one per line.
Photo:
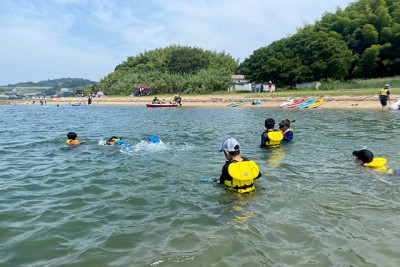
column 361, row 41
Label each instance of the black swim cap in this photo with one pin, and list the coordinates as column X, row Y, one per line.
column 364, row 155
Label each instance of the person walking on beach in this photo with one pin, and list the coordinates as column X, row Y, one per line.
column 178, row 99
column 89, row 99
column 384, row 95
column 239, row 172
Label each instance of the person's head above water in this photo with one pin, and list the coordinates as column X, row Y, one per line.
column 72, row 135
column 364, row 155
column 269, row 123
column 284, row 123
column 113, row 138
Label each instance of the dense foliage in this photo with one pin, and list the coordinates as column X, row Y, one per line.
column 362, row 41
column 170, row 70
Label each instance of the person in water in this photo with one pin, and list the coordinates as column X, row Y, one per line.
column 239, row 172
column 384, row 95
column 72, row 139
column 115, row 141
column 284, row 127
column 366, row 158
column 271, row 138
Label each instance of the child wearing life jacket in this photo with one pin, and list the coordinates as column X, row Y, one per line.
column 366, row 158
column 72, row 139
column 115, row 141
column 284, row 127
column 384, row 95
column 238, row 172
column 271, row 138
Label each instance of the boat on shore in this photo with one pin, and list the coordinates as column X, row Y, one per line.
column 238, row 103
column 307, row 103
column 288, row 101
column 317, row 103
column 295, row 103
column 173, row 105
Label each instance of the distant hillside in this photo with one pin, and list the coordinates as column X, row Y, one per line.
column 56, row 83
column 62, row 87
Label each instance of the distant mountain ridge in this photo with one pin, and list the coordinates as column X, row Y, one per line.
column 55, row 83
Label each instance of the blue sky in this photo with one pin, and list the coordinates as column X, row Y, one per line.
column 50, row 39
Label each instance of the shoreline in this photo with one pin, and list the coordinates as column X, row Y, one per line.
column 331, row 102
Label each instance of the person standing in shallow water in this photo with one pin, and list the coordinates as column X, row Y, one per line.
column 178, row 99
column 384, row 95
column 239, row 172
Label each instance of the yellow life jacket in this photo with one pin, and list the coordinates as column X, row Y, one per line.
column 71, row 142
column 243, row 174
column 377, row 164
column 383, row 92
column 274, row 139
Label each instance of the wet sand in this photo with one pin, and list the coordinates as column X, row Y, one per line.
column 331, row 102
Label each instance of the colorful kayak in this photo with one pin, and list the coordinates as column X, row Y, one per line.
column 161, row 105
column 288, row 101
column 307, row 103
column 296, row 103
column 317, row 103
column 235, row 104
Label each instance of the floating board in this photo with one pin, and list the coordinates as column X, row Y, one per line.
column 235, row 104
column 395, row 105
column 307, row 103
column 153, row 139
column 296, row 103
column 317, row 103
column 288, row 101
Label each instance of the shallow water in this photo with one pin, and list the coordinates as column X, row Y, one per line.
column 145, row 206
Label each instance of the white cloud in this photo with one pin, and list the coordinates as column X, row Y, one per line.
column 87, row 39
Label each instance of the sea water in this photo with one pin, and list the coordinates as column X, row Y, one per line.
column 146, row 205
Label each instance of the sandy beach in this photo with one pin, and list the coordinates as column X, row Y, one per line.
column 268, row 101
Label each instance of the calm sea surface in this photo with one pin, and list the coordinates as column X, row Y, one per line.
column 146, row 206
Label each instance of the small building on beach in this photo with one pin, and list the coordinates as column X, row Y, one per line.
column 239, row 83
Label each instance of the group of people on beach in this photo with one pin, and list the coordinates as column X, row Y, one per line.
column 176, row 100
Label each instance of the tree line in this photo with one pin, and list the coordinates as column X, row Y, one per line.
column 361, row 41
